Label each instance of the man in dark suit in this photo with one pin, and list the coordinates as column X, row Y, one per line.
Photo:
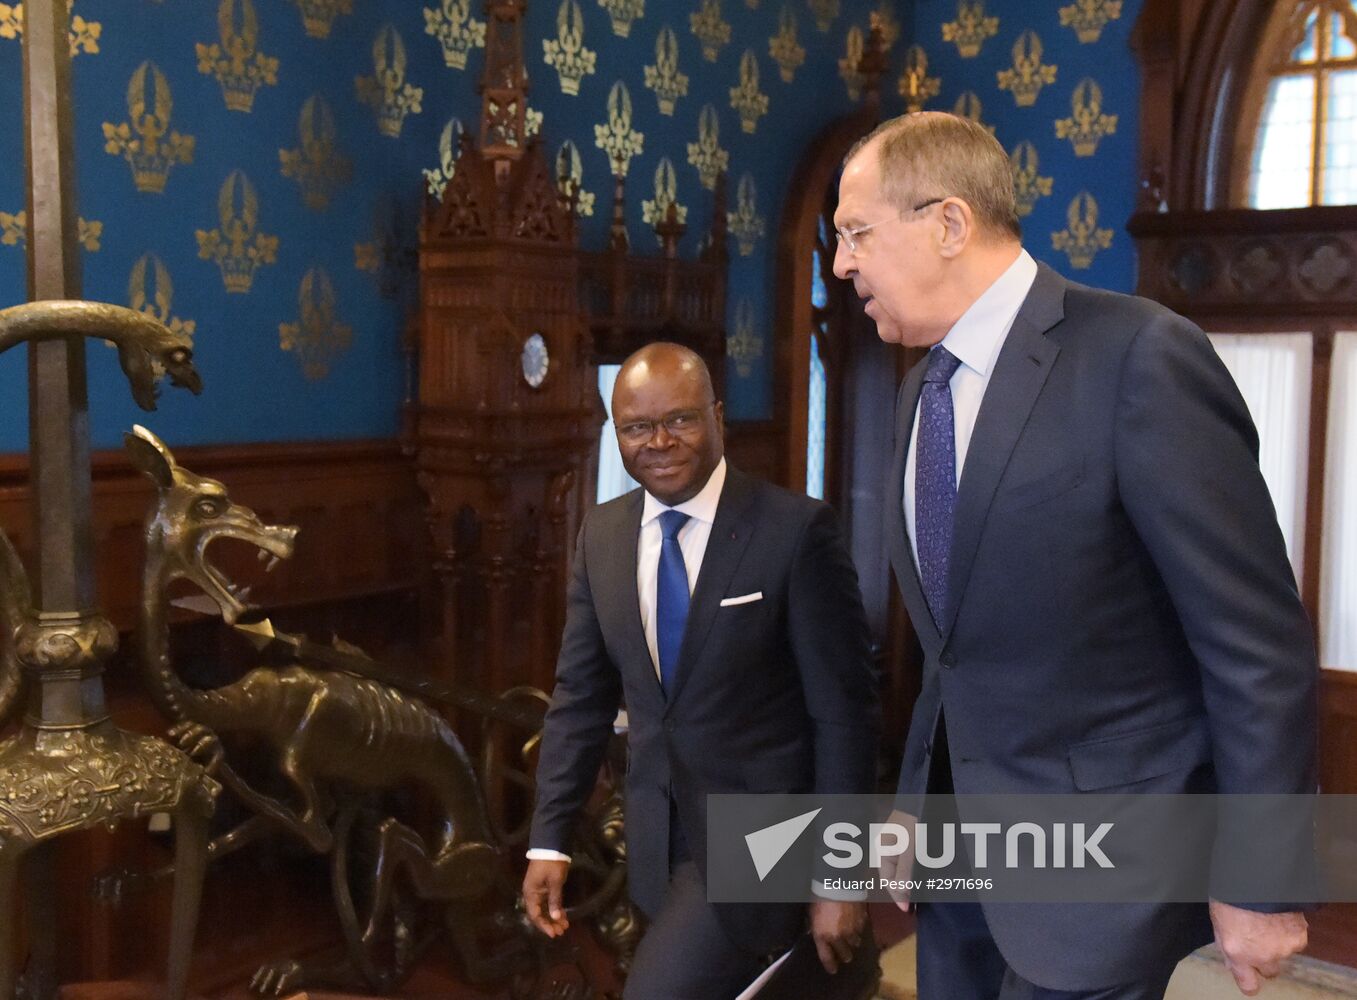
column 725, row 613
column 1089, row 556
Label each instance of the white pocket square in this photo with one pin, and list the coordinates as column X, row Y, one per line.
column 730, row 602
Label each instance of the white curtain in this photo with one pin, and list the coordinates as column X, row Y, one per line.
column 613, row 480
column 1273, row 374
column 1338, row 576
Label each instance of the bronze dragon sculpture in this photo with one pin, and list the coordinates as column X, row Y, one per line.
column 337, row 736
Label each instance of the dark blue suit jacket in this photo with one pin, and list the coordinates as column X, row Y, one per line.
column 775, row 695
column 1121, row 611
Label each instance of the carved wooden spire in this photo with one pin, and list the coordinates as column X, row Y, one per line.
column 504, row 86
column 872, row 64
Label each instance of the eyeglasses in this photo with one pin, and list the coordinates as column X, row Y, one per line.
column 678, row 423
column 850, row 236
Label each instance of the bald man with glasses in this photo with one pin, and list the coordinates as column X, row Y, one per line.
column 724, row 612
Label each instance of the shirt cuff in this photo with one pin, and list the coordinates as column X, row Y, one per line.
column 838, row 895
column 543, row 854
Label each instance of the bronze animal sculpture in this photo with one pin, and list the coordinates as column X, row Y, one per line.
column 337, row 736
column 69, row 768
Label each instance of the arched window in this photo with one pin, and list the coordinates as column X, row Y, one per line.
column 817, row 398
column 1303, row 93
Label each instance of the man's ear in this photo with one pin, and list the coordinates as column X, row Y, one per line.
column 958, row 227
column 719, row 409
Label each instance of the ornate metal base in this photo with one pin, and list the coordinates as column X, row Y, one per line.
column 54, row 782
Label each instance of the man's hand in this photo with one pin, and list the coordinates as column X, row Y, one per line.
column 542, row 887
column 897, row 869
column 837, row 929
column 1256, row 945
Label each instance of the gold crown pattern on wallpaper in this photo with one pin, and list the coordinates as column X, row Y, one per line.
column 318, row 16
column 745, row 223
column 317, row 337
column 566, row 53
column 970, row 29
column 664, row 77
column 156, row 147
column 317, row 165
column 236, row 61
column 237, row 245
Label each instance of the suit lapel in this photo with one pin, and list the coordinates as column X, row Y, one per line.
column 906, row 572
column 620, row 587
column 730, row 534
column 1019, row 375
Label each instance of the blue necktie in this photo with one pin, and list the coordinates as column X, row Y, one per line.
column 935, row 479
column 671, row 598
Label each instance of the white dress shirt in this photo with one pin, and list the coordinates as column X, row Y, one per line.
column 692, row 539
column 975, row 340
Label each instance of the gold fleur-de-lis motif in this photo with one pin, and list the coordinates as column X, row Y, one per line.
column 1028, row 184
column 156, row 148
column 1089, row 17
column 664, row 77
column 566, row 52
column 532, row 122
column 449, row 149
column 14, row 231
column 884, row 18
column 616, row 137
column 622, row 13
column 237, row 246
column 706, row 154
column 655, row 210
column 386, row 91
column 317, row 165
column 745, row 223
column 1087, row 126
column 744, row 346
column 968, row 106
column 1028, row 74
column 236, row 63
column 710, row 29
column 570, row 178
column 13, row 228
column 916, row 86
column 786, row 51
column 971, row 27
column 392, row 254
column 1082, row 239
column 825, row 12
column 318, row 16
column 88, row 234
column 156, row 297
column 747, row 99
column 84, row 35
column 456, row 30
column 854, row 44
column 318, row 337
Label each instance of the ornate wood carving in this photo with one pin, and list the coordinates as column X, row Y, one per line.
column 631, row 300
column 1217, row 266
column 501, row 460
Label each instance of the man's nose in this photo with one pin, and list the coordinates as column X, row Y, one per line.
column 661, row 438
column 844, row 263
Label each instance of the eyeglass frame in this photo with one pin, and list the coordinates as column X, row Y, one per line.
column 654, row 425
column 849, row 237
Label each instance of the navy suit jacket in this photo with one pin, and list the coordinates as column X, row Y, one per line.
column 1121, row 613
column 774, row 695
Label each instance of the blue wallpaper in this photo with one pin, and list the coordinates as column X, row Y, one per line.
column 1058, row 83
column 250, row 169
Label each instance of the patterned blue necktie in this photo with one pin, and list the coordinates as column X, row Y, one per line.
column 671, row 597
column 935, row 479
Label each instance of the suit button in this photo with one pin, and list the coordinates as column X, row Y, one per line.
column 947, row 659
